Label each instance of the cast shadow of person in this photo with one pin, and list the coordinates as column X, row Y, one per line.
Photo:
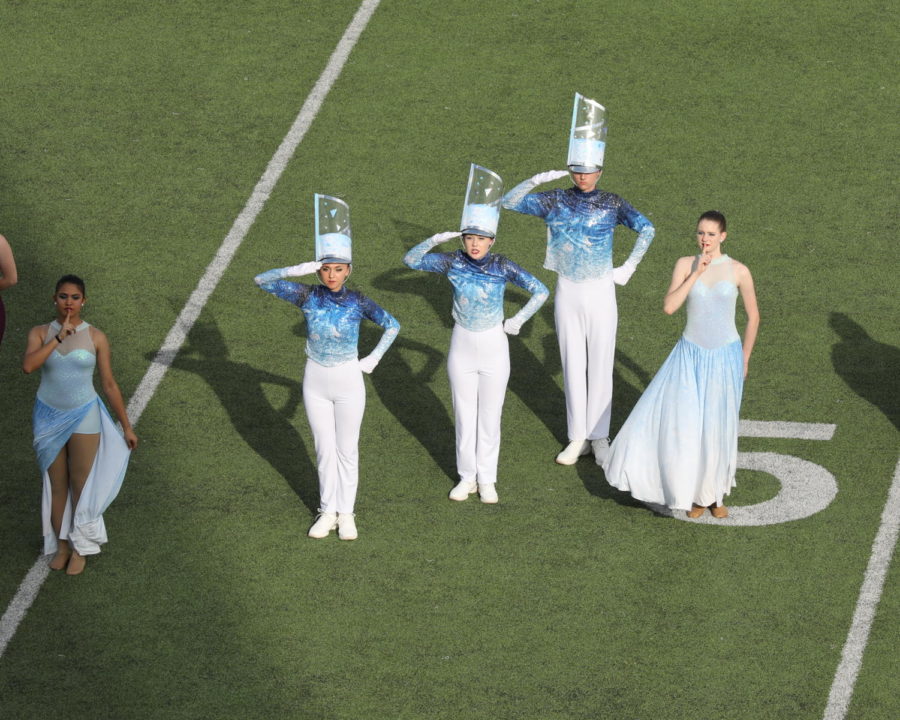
column 869, row 368
column 266, row 429
column 405, row 392
column 406, row 281
column 625, row 396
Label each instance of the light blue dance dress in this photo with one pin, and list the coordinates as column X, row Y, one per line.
column 679, row 445
column 67, row 403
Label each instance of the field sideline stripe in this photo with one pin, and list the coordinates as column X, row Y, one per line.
column 869, row 595
column 30, row 586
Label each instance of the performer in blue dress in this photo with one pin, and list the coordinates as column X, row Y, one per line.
column 580, row 222
column 478, row 361
column 678, row 446
column 333, row 391
column 80, row 452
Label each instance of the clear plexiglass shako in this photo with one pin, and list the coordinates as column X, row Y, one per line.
column 587, row 139
column 481, row 213
column 333, row 235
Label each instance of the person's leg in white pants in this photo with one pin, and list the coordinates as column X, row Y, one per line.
column 493, row 377
column 335, row 399
column 586, row 318
column 478, row 366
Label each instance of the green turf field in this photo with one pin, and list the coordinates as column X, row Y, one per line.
column 132, row 136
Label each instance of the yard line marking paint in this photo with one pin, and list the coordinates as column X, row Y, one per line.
column 869, row 595
column 794, row 430
column 30, row 586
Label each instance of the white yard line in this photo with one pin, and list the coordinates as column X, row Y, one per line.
column 30, row 586
column 866, row 604
column 795, row 430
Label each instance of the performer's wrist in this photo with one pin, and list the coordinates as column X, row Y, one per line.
column 56, row 337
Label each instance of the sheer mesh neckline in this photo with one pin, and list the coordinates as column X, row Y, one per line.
column 80, row 340
column 719, row 270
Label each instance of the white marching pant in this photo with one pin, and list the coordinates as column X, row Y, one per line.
column 586, row 318
column 478, row 366
column 335, row 398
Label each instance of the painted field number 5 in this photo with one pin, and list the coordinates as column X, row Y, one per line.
column 806, row 488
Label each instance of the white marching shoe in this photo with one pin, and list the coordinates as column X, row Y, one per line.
column 324, row 524
column 346, row 526
column 573, row 451
column 488, row 493
column 601, row 450
column 463, row 489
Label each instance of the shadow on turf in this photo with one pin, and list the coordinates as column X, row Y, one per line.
column 869, row 367
column 625, row 395
column 239, row 387
column 405, row 392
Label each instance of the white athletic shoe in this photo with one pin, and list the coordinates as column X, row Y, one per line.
column 488, row 493
column 324, row 524
column 346, row 526
column 573, row 451
column 601, row 450
column 463, row 489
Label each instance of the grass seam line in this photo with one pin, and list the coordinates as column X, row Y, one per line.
column 34, row 579
column 864, row 614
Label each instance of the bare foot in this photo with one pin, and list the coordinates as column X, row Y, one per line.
column 76, row 564
column 60, row 560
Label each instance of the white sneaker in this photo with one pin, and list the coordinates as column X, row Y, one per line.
column 601, row 450
column 324, row 524
column 488, row 493
column 346, row 526
column 463, row 489
column 573, row 451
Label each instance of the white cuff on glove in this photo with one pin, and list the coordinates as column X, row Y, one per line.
column 549, row 176
column 443, row 237
column 511, row 326
column 307, row 268
column 623, row 273
column 367, row 364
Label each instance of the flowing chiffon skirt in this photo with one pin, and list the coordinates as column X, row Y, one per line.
column 84, row 529
column 679, row 445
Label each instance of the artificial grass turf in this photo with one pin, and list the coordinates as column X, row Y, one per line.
column 567, row 599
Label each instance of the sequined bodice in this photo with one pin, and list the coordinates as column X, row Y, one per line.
column 67, row 378
column 710, row 306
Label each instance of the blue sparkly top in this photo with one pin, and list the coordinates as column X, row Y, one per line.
column 332, row 318
column 67, row 376
column 478, row 285
column 580, row 242
column 711, row 305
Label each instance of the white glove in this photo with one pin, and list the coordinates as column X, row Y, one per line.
column 443, row 237
column 623, row 273
column 549, row 176
column 511, row 326
column 307, row 268
column 367, row 364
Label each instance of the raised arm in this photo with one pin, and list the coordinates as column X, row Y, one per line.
column 8, row 274
column 272, row 281
column 418, row 259
column 539, row 294
column 684, row 276
column 748, row 296
column 517, row 199
column 111, row 387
